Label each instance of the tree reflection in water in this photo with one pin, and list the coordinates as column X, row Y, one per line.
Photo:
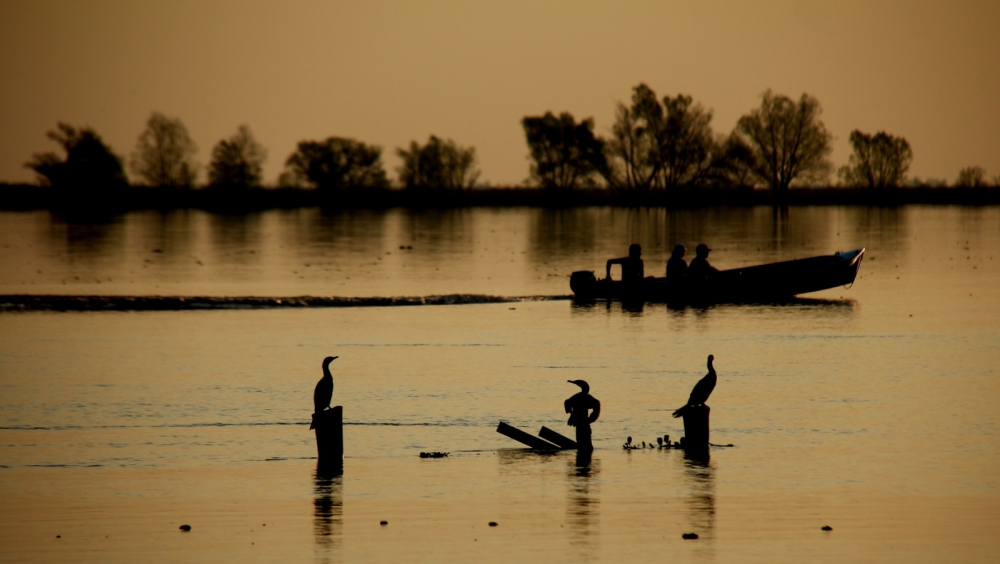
column 328, row 507
column 583, row 501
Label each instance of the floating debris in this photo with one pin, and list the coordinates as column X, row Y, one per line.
column 185, row 528
column 433, row 454
column 689, row 536
column 383, row 523
column 493, row 523
column 663, row 442
column 827, row 528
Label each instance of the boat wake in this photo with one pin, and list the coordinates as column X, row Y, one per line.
column 179, row 303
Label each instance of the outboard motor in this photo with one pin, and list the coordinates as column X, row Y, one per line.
column 583, row 283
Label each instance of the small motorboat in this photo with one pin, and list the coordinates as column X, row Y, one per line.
column 766, row 282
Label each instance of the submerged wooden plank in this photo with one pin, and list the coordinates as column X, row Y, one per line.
column 524, row 438
column 554, row 437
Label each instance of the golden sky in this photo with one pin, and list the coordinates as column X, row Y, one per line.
column 391, row 72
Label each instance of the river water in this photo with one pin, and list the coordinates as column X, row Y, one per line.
column 870, row 409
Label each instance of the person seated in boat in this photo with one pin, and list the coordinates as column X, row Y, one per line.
column 632, row 268
column 677, row 266
column 699, row 270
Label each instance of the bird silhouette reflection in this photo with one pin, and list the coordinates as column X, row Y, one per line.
column 328, row 506
column 583, row 499
column 699, row 473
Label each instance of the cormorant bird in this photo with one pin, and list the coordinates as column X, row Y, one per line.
column 703, row 389
column 324, row 390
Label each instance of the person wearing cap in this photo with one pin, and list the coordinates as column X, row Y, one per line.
column 677, row 266
column 699, row 270
column 632, row 268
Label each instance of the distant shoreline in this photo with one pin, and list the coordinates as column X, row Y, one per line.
column 25, row 197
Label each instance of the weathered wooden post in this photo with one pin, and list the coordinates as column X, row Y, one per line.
column 696, row 428
column 329, row 426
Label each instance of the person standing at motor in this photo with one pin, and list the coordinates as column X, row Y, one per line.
column 632, row 267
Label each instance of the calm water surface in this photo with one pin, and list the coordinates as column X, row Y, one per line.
column 870, row 409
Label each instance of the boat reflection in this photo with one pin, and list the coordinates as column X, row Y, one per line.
column 328, row 507
column 636, row 308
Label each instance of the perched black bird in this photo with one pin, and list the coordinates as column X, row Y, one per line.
column 324, row 390
column 701, row 391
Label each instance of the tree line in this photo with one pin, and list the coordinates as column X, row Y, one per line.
column 655, row 145
column 164, row 157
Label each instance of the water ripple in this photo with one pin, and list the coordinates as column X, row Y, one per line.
column 13, row 303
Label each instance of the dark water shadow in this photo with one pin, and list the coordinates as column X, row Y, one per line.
column 171, row 234
column 328, row 506
column 699, row 476
column 86, row 237
column 438, row 233
column 357, row 232
column 556, row 233
column 583, row 501
column 236, row 239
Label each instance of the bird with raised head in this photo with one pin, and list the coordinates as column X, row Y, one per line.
column 703, row 389
column 324, row 390
column 583, row 410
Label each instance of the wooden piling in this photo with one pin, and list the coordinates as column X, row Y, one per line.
column 554, row 437
column 524, row 438
column 696, row 428
column 329, row 426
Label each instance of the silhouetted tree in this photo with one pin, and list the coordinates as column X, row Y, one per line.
column 660, row 146
column 564, row 153
column 89, row 163
column 336, row 163
column 788, row 140
column 438, row 164
column 633, row 162
column 733, row 165
column 971, row 176
column 236, row 162
column 688, row 149
column 164, row 153
column 878, row 161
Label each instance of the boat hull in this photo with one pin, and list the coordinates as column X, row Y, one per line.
column 766, row 282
